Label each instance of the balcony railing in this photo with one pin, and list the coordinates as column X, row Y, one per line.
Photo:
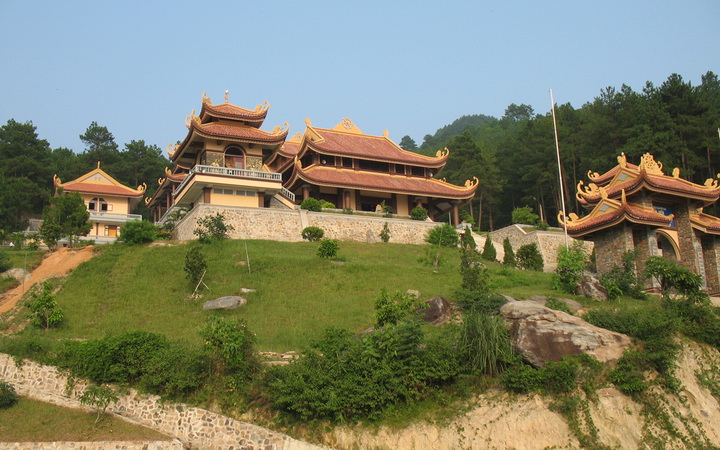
column 114, row 216
column 230, row 172
column 287, row 194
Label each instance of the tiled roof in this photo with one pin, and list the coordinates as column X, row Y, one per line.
column 228, row 111
column 348, row 178
column 104, row 189
column 289, row 149
column 616, row 212
column 239, row 133
column 705, row 222
column 377, row 148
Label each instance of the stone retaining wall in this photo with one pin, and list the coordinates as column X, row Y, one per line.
column 287, row 225
column 99, row 445
column 195, row 427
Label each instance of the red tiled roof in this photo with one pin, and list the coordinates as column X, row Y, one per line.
column 618, row 212
column 105, row 189
column 289, row 149
column 706, row 223
column 348, row 178
column 607, row 176
column 228, row 111
column 377, row 148
column 239, row 133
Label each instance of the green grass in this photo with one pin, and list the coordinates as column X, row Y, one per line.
column 26, row 259
column 34, row 421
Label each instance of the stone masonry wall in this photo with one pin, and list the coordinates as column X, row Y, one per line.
column 195, row 427
column 99, row 445
column 287, row 225
column 547, row 242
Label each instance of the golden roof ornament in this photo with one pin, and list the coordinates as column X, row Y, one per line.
column 264, row 106
column 347, row 123
column 227, row 96
column 281, row 129
column 648, row 163
column 603, row 193
column 98, row 164
column 386, row 133
column 206, row 99
column 189, row 119
column 167, row 170
column 472, row 183
column 442, row 153
column 592, row 175
column 161, row 180
column 711, row 183
column 142, row 188
column 147, row 201
column 309, row 124
column 170, row 153
column 56, row 180
column 622, row 160
column 676, row 172
column 623, row 198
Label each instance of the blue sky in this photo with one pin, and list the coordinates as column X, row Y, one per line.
column 139, row 68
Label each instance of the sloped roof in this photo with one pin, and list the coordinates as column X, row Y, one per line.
column 99, row 182
column 705, row 223
column 229, row 111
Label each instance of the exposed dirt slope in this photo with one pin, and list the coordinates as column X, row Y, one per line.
column 57, row 264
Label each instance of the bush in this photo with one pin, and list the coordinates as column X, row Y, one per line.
column 138, row 232
column 675, row 277
column 570, row 266
column 474, row 293
column 391, row 311
column 311, row 204
column 509, row 257
column 146, row 360
column 485, row 344
column 8, row 397
column 5, row 263
column 232, row 345
column 622, row 279
column 328, row 248
column 212, row 228
column 419, row 213
column 442, row 235
column 529, row 258
column 557, row 305
column 44, row 310
column 525, row 216
column 489, row 253
column 312, row 234
column 542, row 225
column 195, row 265
column 467, row 241
column 556, row 377
column 385, row 233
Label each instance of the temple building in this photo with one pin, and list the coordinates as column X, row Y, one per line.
column 108, row 201
column 226, row 159
column 639, row 207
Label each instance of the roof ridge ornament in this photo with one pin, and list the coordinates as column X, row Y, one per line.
column 171, row 153
column 622, row 160
column 227, row 96
column 264, row 106
column 206, row 99
column 472, row 183
column 189, row 119
column 309, row 124
column 280, row 130
column 442, row 153
column 711, row 183
column 652, row 167
column 347, row 126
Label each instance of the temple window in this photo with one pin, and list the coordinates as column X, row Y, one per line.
column 327, row 160
column 307, row 160
column 376, row 166
column 347, row 162
column 399, row 168
column 99, row 204
column 234, row 158
column 418, row 171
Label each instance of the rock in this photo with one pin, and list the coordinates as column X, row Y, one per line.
column 227, row 302
column 572, row 304
column 370, row 237
column 589, row 286
column 542, row 335
column 437, row 312
column 18, row 273
column 413, row 292
column 246, row 290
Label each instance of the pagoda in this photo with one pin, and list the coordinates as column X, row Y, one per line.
column 640, row 207
column 227, row 160
column 108, row 201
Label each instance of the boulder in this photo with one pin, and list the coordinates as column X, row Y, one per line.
column 574, row 306
column 589, row 286
column 227, row 302
column 437, row 311
column 370, row 237
column 413, row 292
column 540, row 335
column 246, row 290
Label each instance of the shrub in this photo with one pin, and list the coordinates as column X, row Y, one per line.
column 232, row 347
column 474, row 293
column 348, row 211
column 622, row 279
column 557, row 305
column 328, row 248
column 467, row 241
column 509, row 258
column 570, row 266
column 675, row 277
column 5, row 263
column 385, row 233
column 326, row 204
column 195, row 265
column 442, row 235
column 311, row 204
column 489, row 253
column 556, row 377
column 99, row 397
column 312, row 234
column 8, row 397
column 542, row 225
column 524, row 215
column 212, row 228
column 44, row 310
column 391, row 311
column 485, row 343
column 419, row 213
column 529, row 258
column 138, row 232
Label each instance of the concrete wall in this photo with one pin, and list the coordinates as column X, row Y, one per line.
column 195, row 427
column 287, row 225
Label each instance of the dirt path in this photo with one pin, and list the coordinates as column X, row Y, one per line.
column 57, row 264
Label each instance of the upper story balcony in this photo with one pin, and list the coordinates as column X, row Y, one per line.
column 213, row 176
column 116, row 218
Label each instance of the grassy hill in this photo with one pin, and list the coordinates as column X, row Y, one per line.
column 298, row 293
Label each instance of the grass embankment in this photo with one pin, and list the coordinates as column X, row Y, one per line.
column 25, row 259
column 298, row 294
column 34, row 421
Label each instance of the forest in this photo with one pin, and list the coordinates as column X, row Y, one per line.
column 513, row 157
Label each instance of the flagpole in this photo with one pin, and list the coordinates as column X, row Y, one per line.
column 560, row 177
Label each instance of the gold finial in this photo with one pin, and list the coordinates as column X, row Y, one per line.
column 623, row 198
column 386, row 133
column 622, row 160
column 648, row 163
column 167, row 170
column 676, row 172
column 98, row 164
column 603, row 193
column 56, row 180
column 711, row 183
column 206, row 99
column 227, row 96
column 308, row 123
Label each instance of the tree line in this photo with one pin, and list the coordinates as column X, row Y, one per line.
column 514, row 156
column 27, row 166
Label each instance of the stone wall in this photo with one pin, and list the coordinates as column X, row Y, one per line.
column 287, row 225
column 547, row 242
column 99, row 445
column 195, row 427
